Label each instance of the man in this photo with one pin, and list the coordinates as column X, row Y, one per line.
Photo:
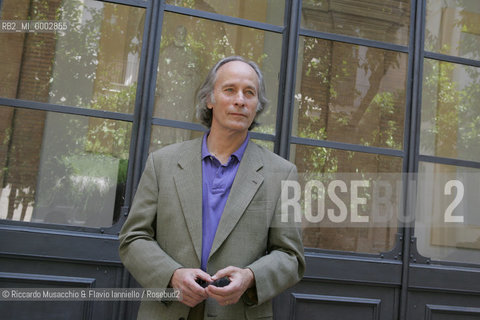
column 210, row 208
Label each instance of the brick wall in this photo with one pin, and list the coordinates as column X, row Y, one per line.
column 28, row 61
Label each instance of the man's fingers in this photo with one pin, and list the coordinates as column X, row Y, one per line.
column 229, row 294
column 197, row 291
column 223, row 296
column 191, row 300
column 225, row 272
column 193, row 296
column 222, row 293
column 203, row 275
column 184, row 280
column 193, row 293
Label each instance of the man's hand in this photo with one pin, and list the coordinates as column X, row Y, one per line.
column 241, row 280
column 184, row 280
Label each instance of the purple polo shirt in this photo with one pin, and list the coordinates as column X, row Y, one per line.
column 217, row 181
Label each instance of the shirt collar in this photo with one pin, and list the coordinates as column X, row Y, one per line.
column 237, row 154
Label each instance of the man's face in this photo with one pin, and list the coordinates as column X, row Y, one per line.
column 235, row 97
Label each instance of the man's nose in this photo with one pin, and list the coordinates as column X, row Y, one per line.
column 240, row 99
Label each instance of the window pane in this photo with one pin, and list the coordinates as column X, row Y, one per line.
column 447, row 195
column 269, row 11
column 450, row 111
column 350, row 93
column 62, row 169
column 164, row 136
column 187, row 53
column 264, row 143
column 93, row 64
column 452, row 28
column 386, row 21
column 327, row 165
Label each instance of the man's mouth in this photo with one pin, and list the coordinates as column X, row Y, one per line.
column 238, row 114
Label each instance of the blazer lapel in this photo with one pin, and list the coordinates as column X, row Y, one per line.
column 188, row 183
column 247, row 181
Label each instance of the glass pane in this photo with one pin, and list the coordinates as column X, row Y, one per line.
column 62, row 169
column 447, row 224
column 452, row 28
column 386, row 21
column 266, row 144
column 269, row 11
column 350, row 93
column 92, row 64
column 164, row 136
column 379, row 176
column 450, row 111
column 187, row 53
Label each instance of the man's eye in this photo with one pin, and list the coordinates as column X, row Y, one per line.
column 229, row 89
column 250, row 93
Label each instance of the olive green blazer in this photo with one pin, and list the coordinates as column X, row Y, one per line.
column 163, row 231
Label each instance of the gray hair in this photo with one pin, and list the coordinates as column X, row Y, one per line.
column 205, row 92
